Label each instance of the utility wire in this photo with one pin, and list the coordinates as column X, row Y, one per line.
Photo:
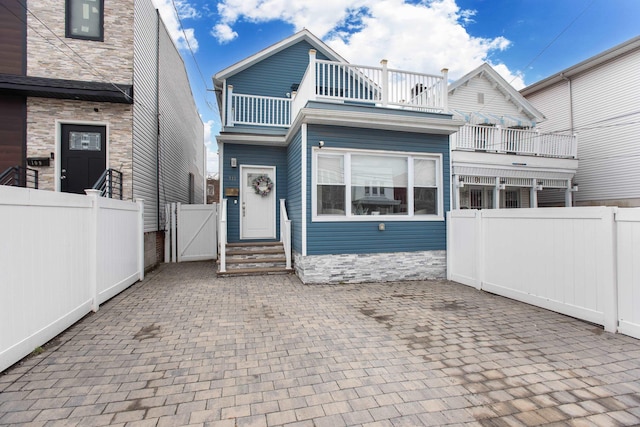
column 186, row 39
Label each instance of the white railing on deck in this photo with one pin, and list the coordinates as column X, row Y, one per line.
column 258, row 110
column 380, row 86
column 285, row 232
column 222, row 236
column 515, row 141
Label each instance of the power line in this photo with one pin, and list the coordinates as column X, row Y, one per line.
column 186, row 39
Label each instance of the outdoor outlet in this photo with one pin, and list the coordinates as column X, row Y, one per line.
column 381, row 226
column 235, row 201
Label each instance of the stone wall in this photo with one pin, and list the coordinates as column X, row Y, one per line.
column 50, row 54
column 43, row 134
column 383, row 267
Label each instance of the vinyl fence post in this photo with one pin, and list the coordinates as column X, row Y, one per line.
column 140, row 203
column 93, row 248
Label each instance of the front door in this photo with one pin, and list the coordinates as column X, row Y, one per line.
column 258, row 202
column 83, row 156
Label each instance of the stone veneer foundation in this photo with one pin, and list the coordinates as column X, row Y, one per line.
column 382, row 267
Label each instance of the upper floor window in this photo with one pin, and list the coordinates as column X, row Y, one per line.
column 85, row 19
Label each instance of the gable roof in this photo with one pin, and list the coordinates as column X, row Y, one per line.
column 485, row 70
column 303, row 35
column 585, row 65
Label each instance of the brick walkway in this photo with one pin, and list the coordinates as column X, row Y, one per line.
column 184, row 347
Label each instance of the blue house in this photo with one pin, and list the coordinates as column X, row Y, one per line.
column 342, row 168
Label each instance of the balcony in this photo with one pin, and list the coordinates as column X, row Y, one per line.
column 515, row 141
column 344, row 83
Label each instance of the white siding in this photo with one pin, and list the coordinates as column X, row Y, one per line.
column 181, row 129
column 465, row 98
column 145, row 123
column 555, row 104
column 608, row 150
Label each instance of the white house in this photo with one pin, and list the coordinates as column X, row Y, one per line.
column 500, row 159
column 599, row 98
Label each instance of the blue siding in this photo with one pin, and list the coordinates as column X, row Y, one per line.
column 294, row 202
column 273, row 76
column 364, row 237
column 252, row 155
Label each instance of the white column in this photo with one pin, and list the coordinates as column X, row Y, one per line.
column 568, row 196
column 456, row 191
column 533, row 195
column 312, row 78
column 496, row 194
column 385, row 83
column 445, row 89
column 230, row 105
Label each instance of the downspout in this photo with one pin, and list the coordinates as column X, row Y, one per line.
column 568, row 80
column 157, row 95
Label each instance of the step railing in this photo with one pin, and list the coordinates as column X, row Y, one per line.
column 222, row 236
column 285, row 232
column 109, row 184
column 18, row 176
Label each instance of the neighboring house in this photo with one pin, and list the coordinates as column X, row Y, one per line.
column 88, row 86
column 599, row 99
column 213, row 185
column 500, row 159
column 362, row 163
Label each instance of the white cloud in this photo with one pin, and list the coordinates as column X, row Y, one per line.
column 423, row 37
column 223, row 33
column 516, row 80
column 183, row 39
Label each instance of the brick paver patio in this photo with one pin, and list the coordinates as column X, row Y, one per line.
column 186, row 348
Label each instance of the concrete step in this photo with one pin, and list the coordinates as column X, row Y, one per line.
column 254, row 271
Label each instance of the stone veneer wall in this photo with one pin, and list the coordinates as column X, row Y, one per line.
column 42, row 114
column 54, row 56
column 383, row 267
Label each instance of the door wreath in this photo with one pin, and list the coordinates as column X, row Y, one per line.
column 262, row 185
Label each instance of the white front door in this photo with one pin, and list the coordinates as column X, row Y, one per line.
column 258, row 206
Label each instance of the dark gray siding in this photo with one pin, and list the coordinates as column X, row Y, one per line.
column 252, row 155
column 274, row 75
column 364, row 237
column 145, row 113
column 294, row 193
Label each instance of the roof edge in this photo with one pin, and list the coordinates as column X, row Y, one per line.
column 303, row 34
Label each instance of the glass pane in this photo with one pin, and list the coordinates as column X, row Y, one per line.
column 330, row 169
column 379, row 171
column 425, row 201
column 386, row 201
column 424, row 173
column 85, row 18
column 86, row 141
column 330, row 199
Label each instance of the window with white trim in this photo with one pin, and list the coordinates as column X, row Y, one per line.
column 361, row 184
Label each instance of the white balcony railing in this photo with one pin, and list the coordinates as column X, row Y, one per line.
column 258, row 110
column 336, row 81
column 515, row 141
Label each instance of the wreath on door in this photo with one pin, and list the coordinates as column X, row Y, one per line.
column 262, row 185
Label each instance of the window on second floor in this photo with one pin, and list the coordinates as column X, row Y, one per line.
column 85, row 19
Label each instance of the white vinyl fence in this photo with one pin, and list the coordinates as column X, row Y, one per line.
column 190, row 232
column 62, row 255
column 575, row 261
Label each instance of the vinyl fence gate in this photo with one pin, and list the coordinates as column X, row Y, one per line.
column 190, row 232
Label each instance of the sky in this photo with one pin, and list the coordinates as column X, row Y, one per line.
column 524, row 40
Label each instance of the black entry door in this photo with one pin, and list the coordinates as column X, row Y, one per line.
column 83, row 157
